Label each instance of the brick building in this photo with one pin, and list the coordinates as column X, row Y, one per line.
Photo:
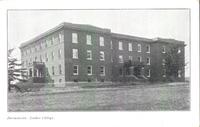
column 81, row 53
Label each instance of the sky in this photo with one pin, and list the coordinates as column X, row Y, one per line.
column 26, row 24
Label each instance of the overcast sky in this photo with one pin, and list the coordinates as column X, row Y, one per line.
column 24, row 25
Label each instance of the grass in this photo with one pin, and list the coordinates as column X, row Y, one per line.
column 131, row 98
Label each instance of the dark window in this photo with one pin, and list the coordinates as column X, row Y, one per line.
column 60, row 69
column 53, row 71
column 120, row 71
column 60, row 80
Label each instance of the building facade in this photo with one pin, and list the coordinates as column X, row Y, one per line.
column 84, row 53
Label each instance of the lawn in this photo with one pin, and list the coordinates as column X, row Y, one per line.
column 131, row 98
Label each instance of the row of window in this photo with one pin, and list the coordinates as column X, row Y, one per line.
column 128, row 72
column 40, row 59
column 164, row 50
column 121, row 60
column 148, row 73
column 88, row 39
column 89, row 70
column 89, row 54
column 60, row 38
column 54, row 39
column 130, row 47
column 165, row 72
column 102, row 71
column 120, row 44
column 101, row 43
column 102, row 56
column 59, row 70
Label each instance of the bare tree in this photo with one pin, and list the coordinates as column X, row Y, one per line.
column 15, row 71
column 173, row 63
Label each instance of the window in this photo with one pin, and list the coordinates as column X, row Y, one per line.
column 148, row 61
column 163, row 62
column 120, row 71
column 46, row 43
column 179, row 50
column 53, row 70
column 22, row 53
column 60, row 69
column 52, row 55
column 140, row 59
column 111, row 58
column 59, row 53
column 51, row 41
column 130, row 47
column 74, row 38
column 101, row 41
column 120, row 45
column 60, row 80
column 128, row 71
column 56, row 39
column 111, row 45
column 23, row 63
column 35, row 58
column 139, row 47
column 102, row 71
column 89, row 70
column 148, row 49
column 89, row 40
column 30, row 61
column 46, row 57
column 163, row 49
column 164, row 72
column 75, row 53
column 121, row 59
column 35, row 48
column 40, row 58
column 40, row 45
column 61, row 37
column 102, row 56
column 179, row 73
column 89, row 55
column 75, row 70
column 130, row 58
column 149, row 73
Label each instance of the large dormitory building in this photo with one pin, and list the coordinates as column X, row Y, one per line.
column 81, row 53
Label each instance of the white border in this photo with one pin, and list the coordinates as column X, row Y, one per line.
column 101, row 119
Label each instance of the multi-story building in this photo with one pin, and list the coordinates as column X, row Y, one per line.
column 83, row 53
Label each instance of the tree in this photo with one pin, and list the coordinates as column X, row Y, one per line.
column 173, row 63
column 138, row 68
column 15, row 71
column 126, row 67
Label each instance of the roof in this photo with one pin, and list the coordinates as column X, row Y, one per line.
column 129, row 37
column 42, row 35
column 168, row 40
column 84, row 27
column 92, row 28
